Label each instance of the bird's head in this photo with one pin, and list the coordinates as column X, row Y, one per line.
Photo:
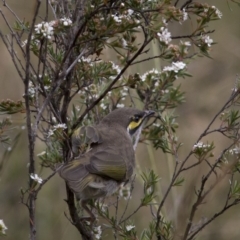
column 131, row 119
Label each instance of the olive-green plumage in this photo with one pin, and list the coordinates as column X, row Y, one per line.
column 108, row 159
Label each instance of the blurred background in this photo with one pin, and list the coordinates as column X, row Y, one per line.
column 206, row 92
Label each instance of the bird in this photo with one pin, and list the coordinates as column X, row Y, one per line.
column 104, row 155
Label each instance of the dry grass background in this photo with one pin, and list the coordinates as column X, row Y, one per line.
column 206, row 91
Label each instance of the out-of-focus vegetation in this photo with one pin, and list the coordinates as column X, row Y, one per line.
column 206, row 91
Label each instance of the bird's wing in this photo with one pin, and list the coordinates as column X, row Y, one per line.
column 75, row 174
column 83, row 138
column 108, row 163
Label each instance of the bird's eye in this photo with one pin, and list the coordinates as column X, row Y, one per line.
column 135, row 122
column 136, row 118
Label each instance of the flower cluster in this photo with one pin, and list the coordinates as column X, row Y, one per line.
column 60, row 126
column 235, row 151
column 213, row 11
column 97, row 232
column 34, row 88
column 217, row 12
column 202, row 150
column 31, row 90
column 201, row 145
column 116, row 68
column 44, row 29
column 175, row 67
column 91, row 90
column 66, row 22
column 125, row 192
column 153, row 72
column 184, row 15
column 103, row 106
column 118, row 18
column 164, row 35
column 121, row 95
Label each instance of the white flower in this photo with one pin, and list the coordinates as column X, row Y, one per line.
column 9, row 149
column 66, row 21
column 153, row 71
column 125, row 192
column 60, row 126
column 188, row 44
column 117, row 19
column 176, row 66
column 168, row 69
column 164, row 21
column 129, row 227
column 31, row 90
column 235, row 150
column 165, row 91
column 125, row 88
column 116, row 67
column 36, row 178
column 50, row 132
column 46, row 87
column 198, row 145
column 130, row 12
column 206, row 39
column 24, row 43
column 120, row 105
column 97, row 231
column 234, row 89
column 164, row 35
column 185, row 15
column 156, row 124
column 124, row 93
column 102, row 206
column 124, row 42
column 218, row 13
column 3, row 227
column 41, row 153
column 103, row 106
column 83, row 59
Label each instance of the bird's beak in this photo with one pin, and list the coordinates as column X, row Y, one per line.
column 148, row 113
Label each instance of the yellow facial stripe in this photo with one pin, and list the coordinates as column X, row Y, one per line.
column 134, row 124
